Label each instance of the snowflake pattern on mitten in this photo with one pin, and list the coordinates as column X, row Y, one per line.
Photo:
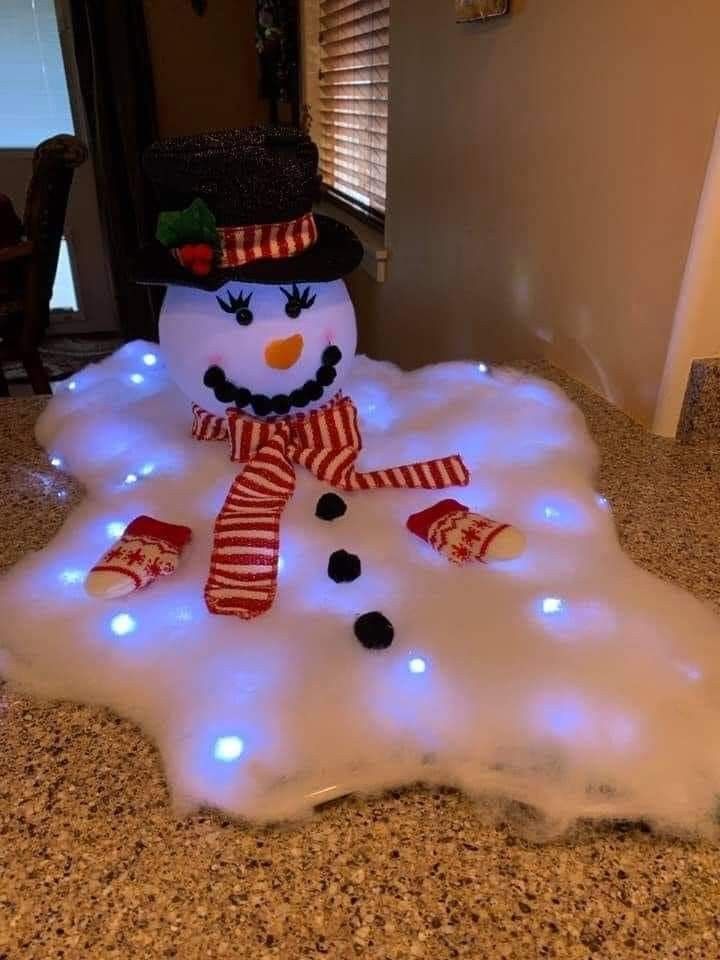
column 148, row 549
column 461, row 535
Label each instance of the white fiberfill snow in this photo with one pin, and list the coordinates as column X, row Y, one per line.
column 567, row 678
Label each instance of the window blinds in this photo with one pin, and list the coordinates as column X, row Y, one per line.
column 354, row 71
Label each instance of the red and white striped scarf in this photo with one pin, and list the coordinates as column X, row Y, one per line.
column 265, row 241
column 243, row 569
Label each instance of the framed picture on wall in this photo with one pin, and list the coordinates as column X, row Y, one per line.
column 466, row 10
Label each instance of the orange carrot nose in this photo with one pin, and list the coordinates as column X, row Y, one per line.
column 282, row 354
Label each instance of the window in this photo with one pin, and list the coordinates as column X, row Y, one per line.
column 350, row 108
column 33, row 92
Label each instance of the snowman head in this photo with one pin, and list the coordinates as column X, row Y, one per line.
column 263, row 348
column 256, row 313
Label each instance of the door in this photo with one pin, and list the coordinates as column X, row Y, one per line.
column 38, row 100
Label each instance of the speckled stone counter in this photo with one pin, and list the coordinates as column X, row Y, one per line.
column 94, row 865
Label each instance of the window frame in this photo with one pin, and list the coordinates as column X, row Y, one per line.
column 310, row 65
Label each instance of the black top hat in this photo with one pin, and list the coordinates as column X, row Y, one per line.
column 238, row 206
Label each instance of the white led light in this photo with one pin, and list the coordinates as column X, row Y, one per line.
column 228, row 749
column 56, row 461
column 130, row 478
column 146, row 469
column 137, row 377
column 603, row 502
column 122, row 624
column 691, row 672
column 417, row 665
column 115, row 529
column 281, row 563
column 482, row 368
column 149, row 359
column 552, row 605
column 72, row 576
column 72, row 385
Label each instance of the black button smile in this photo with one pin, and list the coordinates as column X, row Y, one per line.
column 262, row 405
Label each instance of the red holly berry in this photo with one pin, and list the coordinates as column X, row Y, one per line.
column 186, row 254
column 197, row 258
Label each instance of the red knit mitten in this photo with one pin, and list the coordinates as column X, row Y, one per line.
column 462, row 536
column 147, row 550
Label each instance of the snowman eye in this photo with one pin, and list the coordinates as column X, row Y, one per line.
column 297, row 301
column 239, row 306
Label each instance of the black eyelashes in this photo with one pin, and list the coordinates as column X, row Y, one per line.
column 297, row 301
column 239, row 306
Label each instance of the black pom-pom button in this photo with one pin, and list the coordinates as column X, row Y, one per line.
column 330, row 506
column 224, row 393
column 374, row 630
column 214, row 376
column 280, row 403
column 325, row 375
column 312, row 389
column 261, row 405
column 344, row 567
column 242, row 397
column 298, row 398
column 331, row 355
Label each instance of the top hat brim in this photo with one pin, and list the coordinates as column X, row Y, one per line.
column 336, row 253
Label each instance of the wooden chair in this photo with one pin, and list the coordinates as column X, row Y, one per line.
column 27, row 268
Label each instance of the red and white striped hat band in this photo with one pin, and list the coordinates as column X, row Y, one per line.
column 266, row 241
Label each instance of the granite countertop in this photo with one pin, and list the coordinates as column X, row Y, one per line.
column 94, row 865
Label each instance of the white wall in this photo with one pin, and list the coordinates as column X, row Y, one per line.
column 545, row 174
column 696, row 328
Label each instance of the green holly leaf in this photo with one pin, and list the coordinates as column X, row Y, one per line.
column 195, row 224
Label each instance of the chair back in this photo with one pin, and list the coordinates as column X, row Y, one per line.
column 54, row 163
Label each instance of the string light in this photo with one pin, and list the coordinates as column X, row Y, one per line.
column 115, row 529
column 482, row 368
column 55, row 461
column 551, row 513
column 149, row 359
column 228, row 749
column 552, row 605
column 137, row 378
column 146, row 469
column 691, row 672
column 72, row 385
column 122, row 624
column 417, row 665
column 130, row 478
column 71, row 576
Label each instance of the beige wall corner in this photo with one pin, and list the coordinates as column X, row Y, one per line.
column 696, row 328
column 545, row 173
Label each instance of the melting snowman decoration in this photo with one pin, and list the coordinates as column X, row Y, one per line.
column 567, row 678
column 259, row 332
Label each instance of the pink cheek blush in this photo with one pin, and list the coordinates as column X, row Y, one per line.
column 215, row 360
column 330, row 335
